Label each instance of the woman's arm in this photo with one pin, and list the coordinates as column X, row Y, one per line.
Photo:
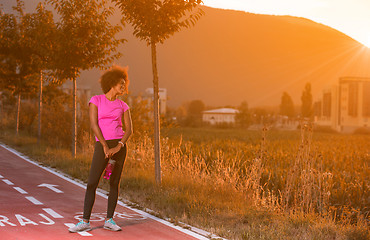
column 128, row 126
column 128, row 132
column 93, row 114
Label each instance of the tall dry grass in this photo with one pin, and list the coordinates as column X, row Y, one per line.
column 307, row 187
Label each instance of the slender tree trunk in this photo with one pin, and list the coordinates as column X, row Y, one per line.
column 157, row 146
column 74, row 118
column 40, row 109
column 18, row 111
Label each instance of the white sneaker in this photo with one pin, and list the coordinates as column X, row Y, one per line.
column 80, row 227
column 111, row 225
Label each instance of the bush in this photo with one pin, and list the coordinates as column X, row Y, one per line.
column 56, row 117
column 28, row 117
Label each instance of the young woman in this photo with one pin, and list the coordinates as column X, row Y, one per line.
column 106, row 113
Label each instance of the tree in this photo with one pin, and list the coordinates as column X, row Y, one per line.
column 154, row 21
column 287, row 105
column 243, row 117
column 194, row 113
column 306, row 98
column 17, row 55
column 196, row 107
column 85, row 39
column 41, row 30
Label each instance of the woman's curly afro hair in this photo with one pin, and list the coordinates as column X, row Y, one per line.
column 112, row 77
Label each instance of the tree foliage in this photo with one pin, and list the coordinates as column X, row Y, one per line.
column 195, row 108
column 287, row 105
column 26, row 45
column 85, row 37
column 194, row 113
column 154, row 21
column 17, row 52
column 306, row 98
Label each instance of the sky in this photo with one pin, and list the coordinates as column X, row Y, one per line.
column 352, row 17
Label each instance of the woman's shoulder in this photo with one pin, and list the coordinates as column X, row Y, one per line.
column 124, row 105
column 100, row 96
column 96, row 99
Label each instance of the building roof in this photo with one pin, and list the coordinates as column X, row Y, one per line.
column 353, row 79
column 222, row 110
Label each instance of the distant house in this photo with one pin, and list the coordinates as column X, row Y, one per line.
column 345, row 107
column 221, row 115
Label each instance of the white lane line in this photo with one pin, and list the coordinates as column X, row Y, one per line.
column 34, row 201
column 52, row 213
column 1, row 176
column 8, row 182
column 85, row 234
column 20, row 190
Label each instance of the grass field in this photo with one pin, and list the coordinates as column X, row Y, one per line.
column 343, row 159
column 242, row 184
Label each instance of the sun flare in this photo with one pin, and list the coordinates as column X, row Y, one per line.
column 366, row 42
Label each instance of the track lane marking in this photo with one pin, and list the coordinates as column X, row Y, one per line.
column 52, row 213
column 34, row 201
column 85, row 234
column 20, row 190
column 8, row 182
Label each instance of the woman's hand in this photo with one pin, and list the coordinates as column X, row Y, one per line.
column 113, row 151
column 106, row 151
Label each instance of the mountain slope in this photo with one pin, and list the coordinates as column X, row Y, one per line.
column 233, row 56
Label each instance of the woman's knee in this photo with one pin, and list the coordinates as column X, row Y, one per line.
column 92, row 185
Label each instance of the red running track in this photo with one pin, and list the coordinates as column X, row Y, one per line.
column 38, row 203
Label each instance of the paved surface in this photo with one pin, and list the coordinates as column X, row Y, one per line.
column 37, row 203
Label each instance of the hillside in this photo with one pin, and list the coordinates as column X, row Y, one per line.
column 233, row 56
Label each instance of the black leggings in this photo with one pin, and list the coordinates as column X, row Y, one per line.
column 99, row 162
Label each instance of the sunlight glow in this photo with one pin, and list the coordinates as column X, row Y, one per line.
column 367, row 41
column 355, row 24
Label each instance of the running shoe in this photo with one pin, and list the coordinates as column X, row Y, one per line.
column 80, row 227
column 111, row 225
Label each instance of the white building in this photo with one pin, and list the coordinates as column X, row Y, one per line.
column 221, row 115
column 345, row 107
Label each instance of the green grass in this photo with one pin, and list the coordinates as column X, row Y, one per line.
column 227, row 182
